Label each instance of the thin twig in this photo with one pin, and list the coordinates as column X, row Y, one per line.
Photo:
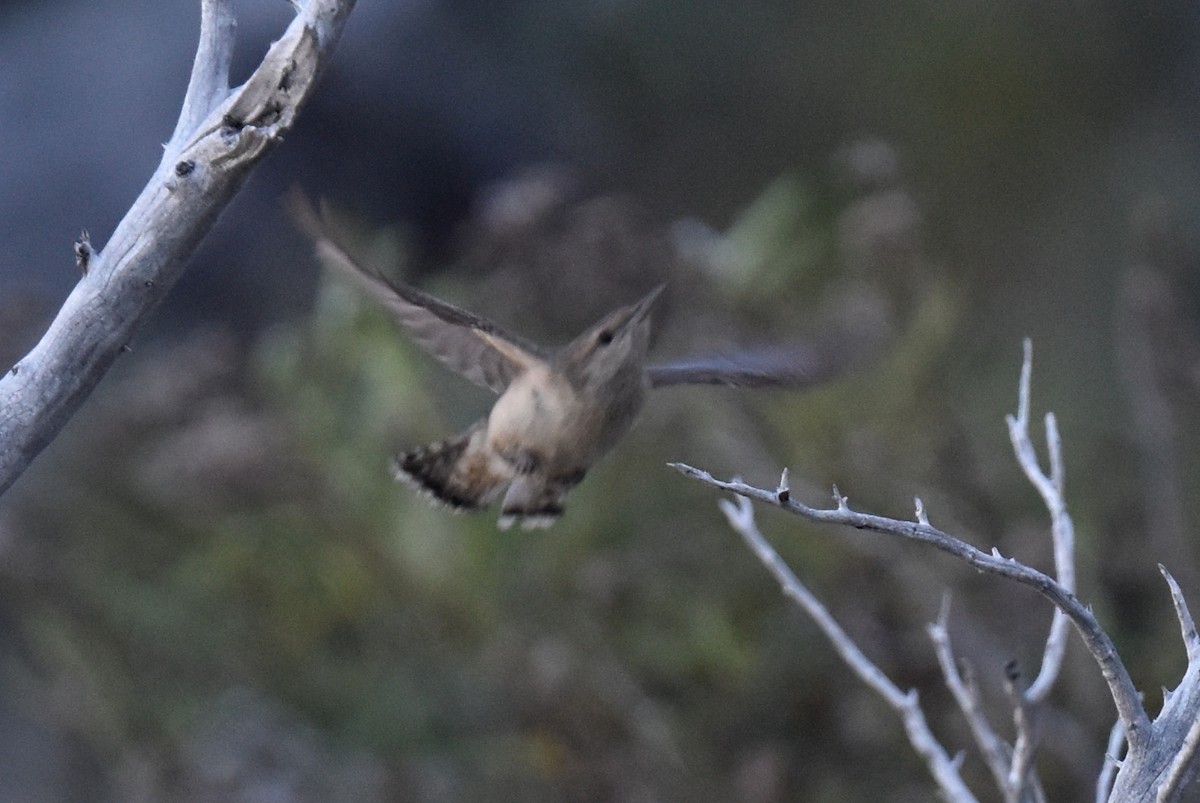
column 1191, row 641
column 1018, row 785
column 1062, row 529
column 943, row 768
column 994, row 750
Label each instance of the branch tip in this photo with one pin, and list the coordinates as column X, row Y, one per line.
column 784, row 492
column 688, row 471
column 1022, row 418
column 728, row 509
column 922, row 516
column 842, row 502
column 1054, row 447
column 83, row 252
column 739, row 514
column 1187, row 625
column 943, row 619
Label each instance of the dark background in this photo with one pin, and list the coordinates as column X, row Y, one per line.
column 212, row 590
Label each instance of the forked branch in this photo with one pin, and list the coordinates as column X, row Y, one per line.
column 1129, row 706
column 1161, row 757
column 221, row 135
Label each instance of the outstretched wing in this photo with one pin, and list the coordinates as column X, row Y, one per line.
column 466, row 343
column 794, row 366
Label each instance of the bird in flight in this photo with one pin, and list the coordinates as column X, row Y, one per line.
column 558, row 411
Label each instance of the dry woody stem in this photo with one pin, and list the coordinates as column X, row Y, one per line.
column 222, row 134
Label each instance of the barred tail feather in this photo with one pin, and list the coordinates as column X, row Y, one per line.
column 457, row 472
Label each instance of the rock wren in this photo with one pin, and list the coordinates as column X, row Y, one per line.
column 558, row 412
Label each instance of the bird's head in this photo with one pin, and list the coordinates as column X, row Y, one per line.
column 614, row 349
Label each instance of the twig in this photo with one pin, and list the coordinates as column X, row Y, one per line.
column 995, row 752
column 1191, row 641
column 943, row 768
column 1062, row 529
column 220, row 137
column 1017, row 785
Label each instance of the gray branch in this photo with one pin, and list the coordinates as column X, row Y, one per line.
column 1162, row 756
column 221, row 135
column 1129, row 706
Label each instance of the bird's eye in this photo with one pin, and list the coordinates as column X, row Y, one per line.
column 604, row 338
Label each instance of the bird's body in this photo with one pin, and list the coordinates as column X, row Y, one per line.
column 557, row 412
column 542, row 435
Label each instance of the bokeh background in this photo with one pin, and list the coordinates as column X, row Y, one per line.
column 211, row 590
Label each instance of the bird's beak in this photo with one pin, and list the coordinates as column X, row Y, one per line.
column 641, row 310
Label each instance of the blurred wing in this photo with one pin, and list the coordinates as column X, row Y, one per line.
column 472, row 346
column 790, row 367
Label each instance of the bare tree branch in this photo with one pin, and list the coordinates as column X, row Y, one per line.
column 1162, row 757
column 220, row 137
column 943, row 768
column 1098, row 642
